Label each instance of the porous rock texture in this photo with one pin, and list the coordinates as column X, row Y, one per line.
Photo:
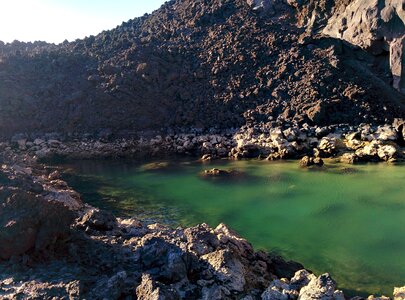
column 29, row 223
column 31, row 219
column 377, row 26
column 212, row 63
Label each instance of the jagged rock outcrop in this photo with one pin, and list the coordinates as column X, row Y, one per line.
column 35, row 212
column 376, row 26
column 208, row 64
column 29, row 222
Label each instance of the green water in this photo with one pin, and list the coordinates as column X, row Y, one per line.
column 349, row 221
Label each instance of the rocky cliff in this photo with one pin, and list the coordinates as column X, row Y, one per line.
column 213, row 63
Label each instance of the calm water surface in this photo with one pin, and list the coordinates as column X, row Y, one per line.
column 349, row 221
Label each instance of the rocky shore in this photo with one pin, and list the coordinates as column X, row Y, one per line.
column 348, row 144
column 53, row 245
column 288, row 69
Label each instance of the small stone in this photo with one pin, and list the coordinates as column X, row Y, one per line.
column 99, row 220
column 387, row 153
column 216, row 172
column 307, row 161
column 39, row 142
column 22, row 144
column 349, row 158
column 399, row 293
column 206, row 157
column 54, row 175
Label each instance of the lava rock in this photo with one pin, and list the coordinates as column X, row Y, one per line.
column 30, row 222
column 99, row 220
column 308, row 161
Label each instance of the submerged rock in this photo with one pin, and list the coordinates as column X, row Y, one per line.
column 217, row 172
column 308, row 161
column 155, row 166
column 225, row 174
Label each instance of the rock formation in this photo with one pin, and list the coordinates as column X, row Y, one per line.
column 211, row 64
column 377, row 26
column 31, row 219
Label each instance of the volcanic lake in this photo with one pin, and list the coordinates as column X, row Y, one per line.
column 345, row 220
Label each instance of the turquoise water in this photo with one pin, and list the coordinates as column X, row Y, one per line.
column 349, row 221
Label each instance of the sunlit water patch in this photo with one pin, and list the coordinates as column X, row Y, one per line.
column 349, row 221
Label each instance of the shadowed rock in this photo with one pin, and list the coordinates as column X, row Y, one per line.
column 29, row 222
column 211, row 64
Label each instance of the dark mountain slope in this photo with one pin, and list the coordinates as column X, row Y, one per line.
column 211, row 63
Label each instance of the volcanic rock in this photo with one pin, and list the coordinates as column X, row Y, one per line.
column 213, row 64
column 29, row 222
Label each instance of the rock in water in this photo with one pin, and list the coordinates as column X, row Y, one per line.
column 216, row 172
column 323, row 287
column 307, row 161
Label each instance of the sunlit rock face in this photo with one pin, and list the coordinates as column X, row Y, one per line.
column 397, row 63
column 268, row 6
column 257, row 4
column 374, row 25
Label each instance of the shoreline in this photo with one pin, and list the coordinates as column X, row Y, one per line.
column 124, row 257
column 348, row 144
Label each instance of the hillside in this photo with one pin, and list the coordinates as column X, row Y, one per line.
column 213, row 63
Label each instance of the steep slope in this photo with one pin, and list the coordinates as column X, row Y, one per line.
column 203, row 64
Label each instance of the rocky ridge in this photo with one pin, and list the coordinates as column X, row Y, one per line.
column 212, row 64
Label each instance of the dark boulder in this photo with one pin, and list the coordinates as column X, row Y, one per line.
column 399, row 125
column 29, row 222
column 98, row 219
